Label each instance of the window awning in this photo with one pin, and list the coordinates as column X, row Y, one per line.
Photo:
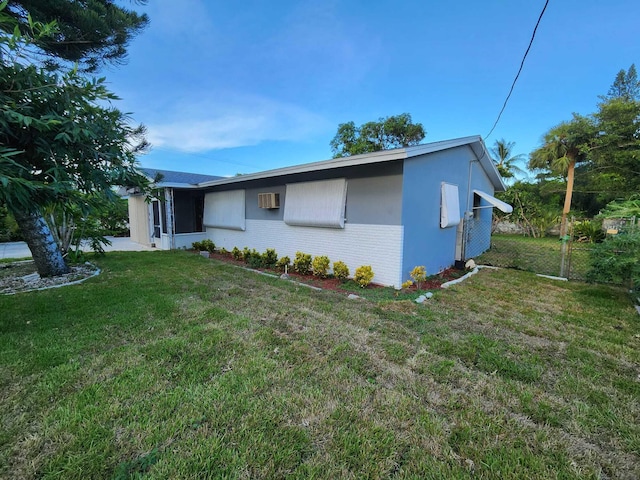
column 499, row 204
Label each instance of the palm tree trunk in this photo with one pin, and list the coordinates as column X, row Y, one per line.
column 565, row 212
column 567, row 197
column 44, row 249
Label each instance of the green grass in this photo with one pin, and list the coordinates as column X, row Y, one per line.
column 538, row 255
column 170, row 365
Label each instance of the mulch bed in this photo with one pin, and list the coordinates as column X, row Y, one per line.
column 431, row 283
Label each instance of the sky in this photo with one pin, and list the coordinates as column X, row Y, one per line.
column 228, row 87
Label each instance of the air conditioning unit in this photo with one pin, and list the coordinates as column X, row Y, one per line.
column 269, row 200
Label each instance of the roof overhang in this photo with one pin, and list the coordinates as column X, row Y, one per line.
column 474, row 142
column 499, row 204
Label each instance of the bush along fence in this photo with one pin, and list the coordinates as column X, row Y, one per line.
column 576, row 256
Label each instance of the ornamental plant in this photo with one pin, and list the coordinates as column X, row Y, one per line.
column 406, row 285
column 252, row 257
column 302, row 263
column 207, row 245
column 236, row 253
column 269, row 258
column 283, row 262
column 364, row 275
column 340, row 270
column 419, row 275
column 320, row 266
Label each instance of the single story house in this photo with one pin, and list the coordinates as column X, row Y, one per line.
column 425, row 205
column 173, row 217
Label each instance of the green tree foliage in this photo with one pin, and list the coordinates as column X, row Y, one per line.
column 387, row 133
column 505, row 160
column 90, row 32
column 563, row 147
column 617, row 260
column 626, row 86
column 59, row 135
column 9, row 230
column 537, row 206
column 616, row 155
column 622, row 209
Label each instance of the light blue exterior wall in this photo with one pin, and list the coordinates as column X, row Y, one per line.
column 425, row 243
column 478, row 230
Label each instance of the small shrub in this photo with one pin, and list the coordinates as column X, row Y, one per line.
column 588, row 231
column 407, row 284
column 255, row 259
column 283, row 262
column 197, row 246
column 207, row 245
column 236, row 253
column 340, row 270
column 302, row 263
column 252, row 257
column 269, row 258
column 223, row 251
column 320, row 266
column 617, row 260
column 419, row 275
column 364, row 275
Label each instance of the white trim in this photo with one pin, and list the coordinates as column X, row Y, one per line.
column 499, row 204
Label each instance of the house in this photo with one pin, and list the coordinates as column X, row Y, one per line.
column 173, row 218
column 425, row 205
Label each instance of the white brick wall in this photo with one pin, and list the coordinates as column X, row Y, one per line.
column 377, row 245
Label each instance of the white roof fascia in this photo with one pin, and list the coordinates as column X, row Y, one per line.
column 475, row 142
column 175, row 185
column 354, row 160
column 499, row 204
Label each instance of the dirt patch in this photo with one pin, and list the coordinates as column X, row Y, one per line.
column 19, row 277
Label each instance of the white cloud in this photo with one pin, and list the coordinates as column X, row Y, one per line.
column 233, row 121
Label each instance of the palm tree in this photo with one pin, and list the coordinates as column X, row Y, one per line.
column 563, row 147
column 504, row 159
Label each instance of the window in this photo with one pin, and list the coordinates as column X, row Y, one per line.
column 449, row 206
column 316, row 204
column 225, row 210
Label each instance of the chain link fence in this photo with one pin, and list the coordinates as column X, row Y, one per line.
column 569, row 257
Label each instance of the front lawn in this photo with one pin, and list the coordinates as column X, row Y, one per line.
column 170, row 365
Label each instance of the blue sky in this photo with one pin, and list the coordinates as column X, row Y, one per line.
column 239, row 87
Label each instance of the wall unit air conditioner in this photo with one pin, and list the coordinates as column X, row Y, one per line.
column 269, row 200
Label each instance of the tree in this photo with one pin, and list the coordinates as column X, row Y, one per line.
column 387, row 133
column 90, row 32
column 625, row 86
column 616, row 155
column 58, row 136
column 505, row 160
column 563, row 147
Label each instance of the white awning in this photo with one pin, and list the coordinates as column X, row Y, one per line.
column 499, row 204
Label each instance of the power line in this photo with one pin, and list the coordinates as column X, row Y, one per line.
column 519, row 70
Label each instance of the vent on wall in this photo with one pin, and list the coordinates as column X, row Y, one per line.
column 269, row 200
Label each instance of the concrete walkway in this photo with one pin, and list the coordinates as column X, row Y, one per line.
column 118, row 244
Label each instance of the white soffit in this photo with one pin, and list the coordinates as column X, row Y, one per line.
column 499, row 204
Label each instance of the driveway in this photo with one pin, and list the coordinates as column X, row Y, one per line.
column 118, row 244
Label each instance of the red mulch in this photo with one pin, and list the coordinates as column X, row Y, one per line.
column 432, row 283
